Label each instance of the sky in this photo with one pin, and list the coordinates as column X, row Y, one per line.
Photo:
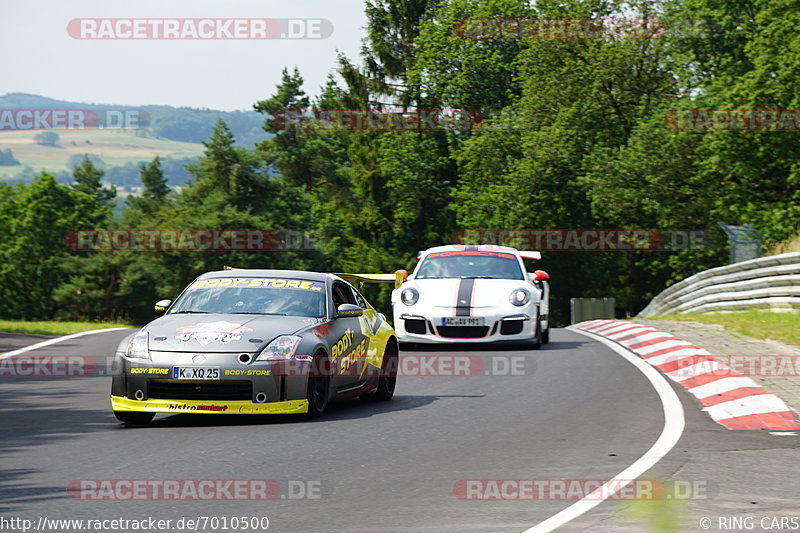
column 40, row 56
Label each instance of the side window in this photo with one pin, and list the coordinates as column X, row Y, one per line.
column 342, row 295
column 360, row 300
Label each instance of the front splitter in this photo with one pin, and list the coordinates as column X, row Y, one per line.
column 237, row 407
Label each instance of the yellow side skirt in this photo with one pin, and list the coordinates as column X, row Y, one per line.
column 212, row 407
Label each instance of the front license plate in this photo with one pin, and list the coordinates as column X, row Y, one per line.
column 195, row 372
column 463, row 321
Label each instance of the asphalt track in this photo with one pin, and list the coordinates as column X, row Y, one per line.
column 575, row 410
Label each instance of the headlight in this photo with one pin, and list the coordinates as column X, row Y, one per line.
column 281, row 348
column 139, row 346
column 409, row 296
column 520, row 297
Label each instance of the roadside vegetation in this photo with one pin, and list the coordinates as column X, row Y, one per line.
column 791, row 244
column 578, row 133
column 757, row 324
column 55, row 328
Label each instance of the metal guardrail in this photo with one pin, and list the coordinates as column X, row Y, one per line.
column 767, row 282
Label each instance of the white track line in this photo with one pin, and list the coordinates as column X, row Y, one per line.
column 673, row 429
column 54, row 341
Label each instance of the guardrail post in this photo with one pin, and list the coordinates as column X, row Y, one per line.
column 582, row 309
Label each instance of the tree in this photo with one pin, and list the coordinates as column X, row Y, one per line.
column 751, row 63
column 390, row 47
column 232, row 171
column 7, row 158
column 450, row 70
column 153, row 180
column 46, row 138
column 37, row 217
column 87, row 180
column 305, row 157
column 76, row 160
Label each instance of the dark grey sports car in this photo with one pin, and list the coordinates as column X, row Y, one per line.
column 255, row 341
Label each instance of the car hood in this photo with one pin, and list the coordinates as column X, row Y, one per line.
column 216, row 333
column 482, row 292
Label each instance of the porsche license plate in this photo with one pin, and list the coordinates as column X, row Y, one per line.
column 195, row 372
column 463, row 321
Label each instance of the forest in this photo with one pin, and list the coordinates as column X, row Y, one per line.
column 622, row 130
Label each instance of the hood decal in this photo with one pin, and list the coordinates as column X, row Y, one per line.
column 464, row 297
column 208, row 332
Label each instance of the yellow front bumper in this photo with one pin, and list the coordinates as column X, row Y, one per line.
column 238, row 407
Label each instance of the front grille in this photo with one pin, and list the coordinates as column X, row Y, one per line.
column 463, row 332
column 511, row 327
column 200, row 390
column 416, row 325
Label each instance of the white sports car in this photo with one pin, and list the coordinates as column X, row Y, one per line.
column 480, row 294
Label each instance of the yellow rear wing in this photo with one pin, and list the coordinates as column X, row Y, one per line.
column 397, row 278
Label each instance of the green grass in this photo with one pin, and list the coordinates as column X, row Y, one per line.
column 55, row 328
column 791, row 244
column 758, row 324
column 115, row 147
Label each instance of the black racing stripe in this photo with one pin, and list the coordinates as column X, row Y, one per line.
column 464, row 298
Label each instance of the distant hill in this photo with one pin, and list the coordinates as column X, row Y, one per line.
column 174, row 134
column 184, row 124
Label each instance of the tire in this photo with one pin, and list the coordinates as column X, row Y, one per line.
column 537, row 341
column 134, row 418
column 546, row 335
column 409, row 346
column 388, row 378
column 318, row 389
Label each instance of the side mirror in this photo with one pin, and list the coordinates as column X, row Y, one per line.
column 162, row 305
column 349, row 310
column 540, row 275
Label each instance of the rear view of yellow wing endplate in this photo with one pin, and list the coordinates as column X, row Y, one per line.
column 398, row 278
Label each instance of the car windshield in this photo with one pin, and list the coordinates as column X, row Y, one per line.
column 494, row 265
column 258, row 296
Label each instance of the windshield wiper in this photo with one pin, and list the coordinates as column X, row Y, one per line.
column 188, row 312
column 254, row 313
